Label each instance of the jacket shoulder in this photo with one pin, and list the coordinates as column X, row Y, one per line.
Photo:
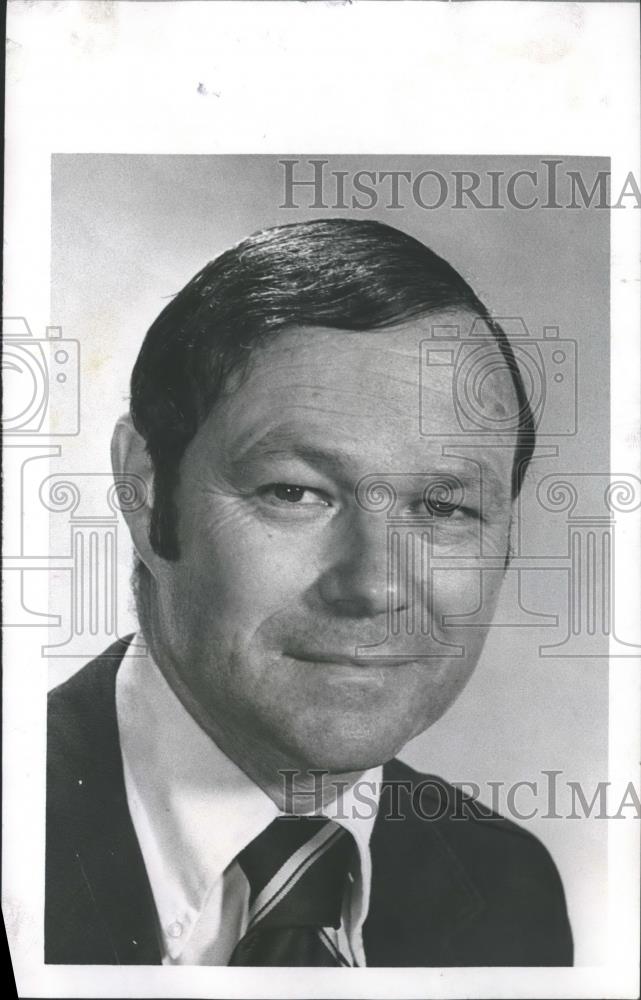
column 520, row 905
column 81, row 710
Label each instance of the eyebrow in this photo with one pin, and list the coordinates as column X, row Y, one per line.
column 310, row 454
column 275, row 446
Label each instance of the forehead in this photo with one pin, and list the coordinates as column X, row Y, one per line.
column 367, row 395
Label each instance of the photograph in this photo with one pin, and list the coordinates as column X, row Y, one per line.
column 341, row 471
column 320, row 536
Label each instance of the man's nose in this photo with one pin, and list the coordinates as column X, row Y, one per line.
column 360, row 581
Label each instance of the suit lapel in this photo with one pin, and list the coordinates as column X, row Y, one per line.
column 111, row 866
column 421, row 894
column 106, row 885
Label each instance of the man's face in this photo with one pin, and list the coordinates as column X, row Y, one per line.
column 289, row 566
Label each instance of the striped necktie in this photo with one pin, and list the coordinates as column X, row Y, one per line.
column 297, row 872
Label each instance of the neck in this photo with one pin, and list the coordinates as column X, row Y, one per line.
column 295, row 787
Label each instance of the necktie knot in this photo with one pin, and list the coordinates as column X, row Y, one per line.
column 297, row 872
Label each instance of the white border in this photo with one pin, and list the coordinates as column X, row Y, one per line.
column 423, row 78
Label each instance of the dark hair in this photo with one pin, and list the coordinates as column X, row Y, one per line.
column 339, row 273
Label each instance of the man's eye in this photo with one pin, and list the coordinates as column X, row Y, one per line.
column 440, row 508
column 444, row 500
column 291, row 493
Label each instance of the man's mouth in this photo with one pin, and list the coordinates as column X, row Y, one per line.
column 348, row 659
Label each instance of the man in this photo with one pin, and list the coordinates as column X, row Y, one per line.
column 224, row 788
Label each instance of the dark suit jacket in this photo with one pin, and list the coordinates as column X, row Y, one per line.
column 463, row 888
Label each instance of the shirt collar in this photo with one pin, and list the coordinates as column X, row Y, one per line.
column 192, row 807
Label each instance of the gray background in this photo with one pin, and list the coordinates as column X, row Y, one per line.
column 128, row 231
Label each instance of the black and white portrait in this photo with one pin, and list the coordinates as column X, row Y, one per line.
column 330, row 533
column 339, row 471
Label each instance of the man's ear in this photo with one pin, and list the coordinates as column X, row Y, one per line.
column 133, row 475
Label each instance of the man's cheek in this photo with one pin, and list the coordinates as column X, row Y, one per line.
column 460, row 595
column 455, row 592
column 256, row 570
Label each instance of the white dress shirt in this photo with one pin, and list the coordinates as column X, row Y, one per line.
column 194, row 810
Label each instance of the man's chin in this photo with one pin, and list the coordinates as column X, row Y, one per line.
column 349, row 755
column 343, row 742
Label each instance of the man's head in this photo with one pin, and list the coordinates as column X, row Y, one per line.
column 296, row 617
